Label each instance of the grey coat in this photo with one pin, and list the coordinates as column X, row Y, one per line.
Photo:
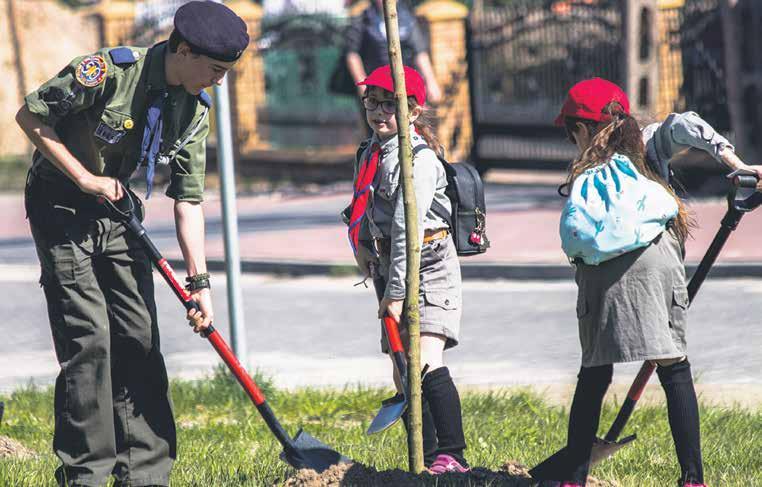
column 680, row 131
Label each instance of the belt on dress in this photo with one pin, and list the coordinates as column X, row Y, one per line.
column 433, row 235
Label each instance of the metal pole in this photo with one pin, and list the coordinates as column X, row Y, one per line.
column 230, row 220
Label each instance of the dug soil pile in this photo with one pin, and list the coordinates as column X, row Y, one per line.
column 356, row 474
column 10, row 448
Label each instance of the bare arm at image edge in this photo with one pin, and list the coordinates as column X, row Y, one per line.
column 356, row 70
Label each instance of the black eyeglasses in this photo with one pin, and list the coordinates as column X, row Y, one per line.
column 388, row 106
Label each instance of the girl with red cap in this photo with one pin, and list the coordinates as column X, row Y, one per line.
column 376, row 221
column 632, row 297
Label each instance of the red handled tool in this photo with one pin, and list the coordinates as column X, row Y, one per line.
column 742, row 198
column 303, row 451
column 392, row 408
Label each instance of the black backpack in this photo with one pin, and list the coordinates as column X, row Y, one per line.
column 468, row 219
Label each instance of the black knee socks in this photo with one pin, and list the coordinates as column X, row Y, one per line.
column 430, row 443
column 444, row 402
column 682, row 410
column 584, row 418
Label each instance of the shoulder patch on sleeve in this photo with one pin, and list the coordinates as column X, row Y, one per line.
column 124, row 55
column 91, row 71
column 205, row 99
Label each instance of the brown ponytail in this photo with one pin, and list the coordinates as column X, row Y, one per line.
column 425, row 128
column 621, row 134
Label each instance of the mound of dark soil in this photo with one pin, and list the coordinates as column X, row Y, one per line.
column 511, row 474
column 10, row 448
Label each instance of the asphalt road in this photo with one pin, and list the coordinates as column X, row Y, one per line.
column 322, row 332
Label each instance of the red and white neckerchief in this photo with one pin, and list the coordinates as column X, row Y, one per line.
column 365, row 177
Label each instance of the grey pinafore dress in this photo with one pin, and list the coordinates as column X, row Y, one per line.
column 633, row 307
column 440, row 290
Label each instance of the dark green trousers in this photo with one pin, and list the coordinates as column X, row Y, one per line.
column 113, row 413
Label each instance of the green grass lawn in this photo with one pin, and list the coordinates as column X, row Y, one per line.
column 222, row 441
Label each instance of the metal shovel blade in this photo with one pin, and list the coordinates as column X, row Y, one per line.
column 391, row 411
column 603, row 449
column 556, row 466
column 308, row 452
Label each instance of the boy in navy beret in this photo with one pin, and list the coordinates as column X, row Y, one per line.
column 93, row 124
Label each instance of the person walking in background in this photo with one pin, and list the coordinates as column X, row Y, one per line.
column 624, row 229
column 376, row 220
column 93, row 124
column 366, row 47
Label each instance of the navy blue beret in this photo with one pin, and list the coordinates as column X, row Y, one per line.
column 212, row 29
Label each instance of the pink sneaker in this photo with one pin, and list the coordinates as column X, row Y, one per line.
column 446, row 463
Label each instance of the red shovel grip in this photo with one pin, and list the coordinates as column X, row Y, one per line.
column 393, row 334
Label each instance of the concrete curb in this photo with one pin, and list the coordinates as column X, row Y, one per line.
column 469, row 271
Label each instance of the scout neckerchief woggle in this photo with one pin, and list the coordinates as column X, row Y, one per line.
column 365, row 177
column 152, row 139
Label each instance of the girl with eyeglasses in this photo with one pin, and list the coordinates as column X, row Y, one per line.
column 376, row 220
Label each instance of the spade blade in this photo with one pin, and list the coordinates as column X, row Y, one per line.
column 391, row 411
column 603, row 449
column 308, row 452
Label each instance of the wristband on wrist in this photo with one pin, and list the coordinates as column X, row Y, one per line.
column 198, row 281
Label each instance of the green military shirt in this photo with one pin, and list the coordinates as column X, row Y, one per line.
column 98, row 104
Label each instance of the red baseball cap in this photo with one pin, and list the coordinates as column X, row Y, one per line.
column 589, row 97
column 382, row 77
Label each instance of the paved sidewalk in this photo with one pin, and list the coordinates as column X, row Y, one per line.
column 303, row 234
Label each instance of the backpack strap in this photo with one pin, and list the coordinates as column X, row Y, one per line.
column 363, row 145
column 438, row 208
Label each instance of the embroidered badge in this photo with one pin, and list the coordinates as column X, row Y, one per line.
column 108, row 134
column 91, row 71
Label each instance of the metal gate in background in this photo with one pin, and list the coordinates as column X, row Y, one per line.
column 700, row 78
column 523, row 58
column 698, row 35
column 524, row 55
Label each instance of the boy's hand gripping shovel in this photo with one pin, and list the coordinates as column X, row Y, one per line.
column 303, row 451
column 742, row 198
column 392, row 408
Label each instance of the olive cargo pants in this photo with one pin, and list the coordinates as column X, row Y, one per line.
column 113, row 413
